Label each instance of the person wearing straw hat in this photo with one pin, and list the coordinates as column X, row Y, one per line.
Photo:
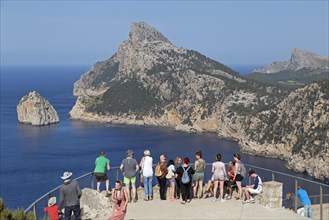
column 52, row 209
column 69, row 194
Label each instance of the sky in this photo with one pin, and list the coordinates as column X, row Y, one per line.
column 231, row 32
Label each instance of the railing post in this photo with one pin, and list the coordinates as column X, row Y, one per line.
column 273, row 176
column 92, row 180
column 321, row 202
column 296, row 195
column 35, row 211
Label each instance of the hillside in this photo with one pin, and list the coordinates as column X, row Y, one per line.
column 150, row 81
column 302, row 68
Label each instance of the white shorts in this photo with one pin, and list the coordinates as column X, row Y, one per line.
column 254, row 191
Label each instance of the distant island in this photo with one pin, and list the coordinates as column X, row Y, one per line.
column 302, row 68
column 150, row 81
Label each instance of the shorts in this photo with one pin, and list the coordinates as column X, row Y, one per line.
column 254, row 191
column 198, row 176
column 219, row 177
column 128, row 180
column 101, row 177
column 230, row 184
column 238, row 177
column 172, row 180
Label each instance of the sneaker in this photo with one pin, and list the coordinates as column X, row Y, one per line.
column 228, row 197
column 214, row 200
column 252, row 201
column 222, row 200
column 246, row 202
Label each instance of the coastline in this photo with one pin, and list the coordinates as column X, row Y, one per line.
column 153, row 122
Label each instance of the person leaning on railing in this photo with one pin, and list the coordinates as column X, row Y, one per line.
column 306, row 202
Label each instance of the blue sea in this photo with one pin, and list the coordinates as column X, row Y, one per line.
column 34, row 158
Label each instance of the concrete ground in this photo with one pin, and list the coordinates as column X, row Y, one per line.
column 204, row 209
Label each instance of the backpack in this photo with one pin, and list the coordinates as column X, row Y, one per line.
column 185, row 177
column 158, row 171
column 243, row 170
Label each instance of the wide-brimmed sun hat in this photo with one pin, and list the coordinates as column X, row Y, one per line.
column 66, row 175
column 52, row 201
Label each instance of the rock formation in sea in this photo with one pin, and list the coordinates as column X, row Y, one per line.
column 150, row 81
column 36, row 110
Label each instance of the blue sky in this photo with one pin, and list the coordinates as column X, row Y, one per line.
column 232, row 32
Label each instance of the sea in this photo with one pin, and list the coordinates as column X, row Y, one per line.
column 34, row 158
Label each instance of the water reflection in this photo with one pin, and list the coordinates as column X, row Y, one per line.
column 35, row 132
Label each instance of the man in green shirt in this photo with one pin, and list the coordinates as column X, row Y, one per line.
column 100, row 164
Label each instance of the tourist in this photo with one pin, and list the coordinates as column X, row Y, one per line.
column 184, row 173
column 230, row 183
column 69, row 197
column 171, row 179
column 129, row 167
column 147, row 174
column 237, row 175
column 254, row 189
column 219, row 171
column 305, row 201
column 101, row 163
column 160, row 172
column 209, row 187
column 199, row 167
column 52, row 209
column 178, row 163
column 120, row 200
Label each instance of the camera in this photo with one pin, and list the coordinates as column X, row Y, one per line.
column 119, row 202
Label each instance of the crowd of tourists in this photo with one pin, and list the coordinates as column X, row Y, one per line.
column 185, row 181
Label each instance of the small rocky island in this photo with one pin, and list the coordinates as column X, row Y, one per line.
column 36, row 110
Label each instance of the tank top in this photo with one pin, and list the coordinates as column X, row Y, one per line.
column 219, row 168
column 200, row 167
column 239, row 167
column 147, row 166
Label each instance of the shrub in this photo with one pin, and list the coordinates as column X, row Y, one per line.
column 17, row 214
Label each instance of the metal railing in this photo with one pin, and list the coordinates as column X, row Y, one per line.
column 318, row 192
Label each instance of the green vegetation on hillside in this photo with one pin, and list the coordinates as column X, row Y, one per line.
column 124, row 97
column 18, row 214
column 292, row 79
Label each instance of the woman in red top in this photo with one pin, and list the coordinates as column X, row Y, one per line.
column 52, row 209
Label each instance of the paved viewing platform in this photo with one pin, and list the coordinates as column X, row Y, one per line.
column 205, row 209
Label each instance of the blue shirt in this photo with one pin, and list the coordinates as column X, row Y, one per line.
column 303, row 197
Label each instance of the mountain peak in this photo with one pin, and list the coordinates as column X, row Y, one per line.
column 141, row 31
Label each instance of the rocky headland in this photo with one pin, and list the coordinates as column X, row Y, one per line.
column 299, row 59
column 150, row 81
column 36, row 110
column 302, row 68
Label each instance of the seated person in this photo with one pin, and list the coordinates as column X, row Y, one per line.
column 256, row 188
column 230, row 183
column 210, row 188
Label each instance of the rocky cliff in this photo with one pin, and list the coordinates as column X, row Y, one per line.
column 36, row 110
column 299, row 59
column 150, row 81
column 302, row 68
